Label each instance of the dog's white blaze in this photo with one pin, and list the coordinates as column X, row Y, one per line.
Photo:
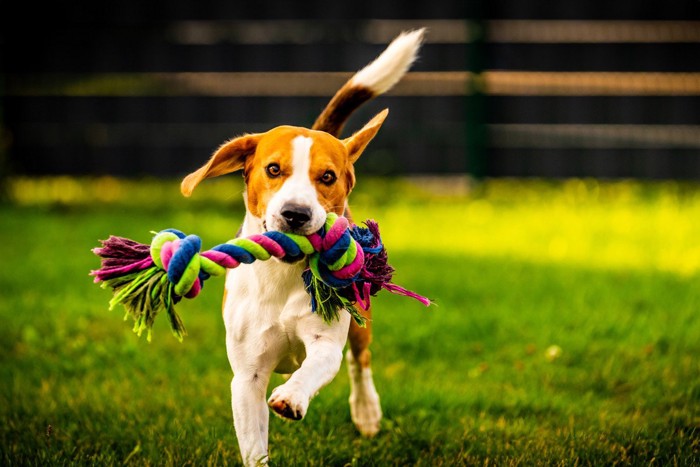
column 297, row 189
column 301, row 160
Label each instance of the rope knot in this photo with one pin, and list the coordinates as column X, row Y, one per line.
column 339, row 257
column 179, row 255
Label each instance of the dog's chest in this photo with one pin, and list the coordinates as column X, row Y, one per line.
column 265, row 302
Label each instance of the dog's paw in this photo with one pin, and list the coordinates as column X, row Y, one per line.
column 287, row 402
column 365, row 408
column 366, row 412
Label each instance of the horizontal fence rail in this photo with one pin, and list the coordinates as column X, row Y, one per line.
column 500, row 135
column 440, row 83
column 595, row 136
column 441, row 31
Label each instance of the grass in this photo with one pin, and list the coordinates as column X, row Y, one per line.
column 566, row 331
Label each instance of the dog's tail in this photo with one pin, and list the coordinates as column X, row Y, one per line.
column 374, row 79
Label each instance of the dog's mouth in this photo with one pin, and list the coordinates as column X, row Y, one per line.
column 304, row 231
column 292, row 223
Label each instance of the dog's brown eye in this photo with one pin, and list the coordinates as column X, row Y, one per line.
column 328, row 178
column 273, row 170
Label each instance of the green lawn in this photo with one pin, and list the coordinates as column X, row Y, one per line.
column 566, row 331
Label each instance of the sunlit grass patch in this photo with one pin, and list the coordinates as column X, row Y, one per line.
column 626, row 224
column 109, row 191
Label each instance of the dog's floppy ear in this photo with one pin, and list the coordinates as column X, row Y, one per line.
column 358, row 142
column 228, row 158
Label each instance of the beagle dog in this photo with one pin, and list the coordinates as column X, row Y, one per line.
column 293, row 177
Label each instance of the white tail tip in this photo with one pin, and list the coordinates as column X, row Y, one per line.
column 387, row 69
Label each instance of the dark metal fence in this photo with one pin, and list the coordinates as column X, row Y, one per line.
column 582, row 89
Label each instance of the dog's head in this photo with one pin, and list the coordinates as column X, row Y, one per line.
column 293, row 175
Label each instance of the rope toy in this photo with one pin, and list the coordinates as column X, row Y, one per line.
column 346, row 265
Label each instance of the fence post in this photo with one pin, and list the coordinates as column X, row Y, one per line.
column 475, row 105
column 5, row 142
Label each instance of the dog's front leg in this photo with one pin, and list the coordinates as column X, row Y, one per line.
column 324, row 354
column 250, row 415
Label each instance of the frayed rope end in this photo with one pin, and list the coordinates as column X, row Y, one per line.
column 138, row 285
column 327, row 302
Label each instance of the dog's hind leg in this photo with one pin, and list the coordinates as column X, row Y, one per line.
column 365, row 409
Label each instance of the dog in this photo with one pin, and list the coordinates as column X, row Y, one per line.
column 293, row 177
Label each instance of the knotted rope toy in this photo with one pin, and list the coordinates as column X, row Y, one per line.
column 346, row 265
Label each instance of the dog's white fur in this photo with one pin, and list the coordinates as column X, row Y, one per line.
column 269, row 324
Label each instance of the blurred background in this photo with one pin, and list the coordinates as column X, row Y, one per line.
column 502, row 89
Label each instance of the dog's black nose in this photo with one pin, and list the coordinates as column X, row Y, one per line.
column 295, row 215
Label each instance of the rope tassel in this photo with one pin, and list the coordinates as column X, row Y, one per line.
column 346, row 265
